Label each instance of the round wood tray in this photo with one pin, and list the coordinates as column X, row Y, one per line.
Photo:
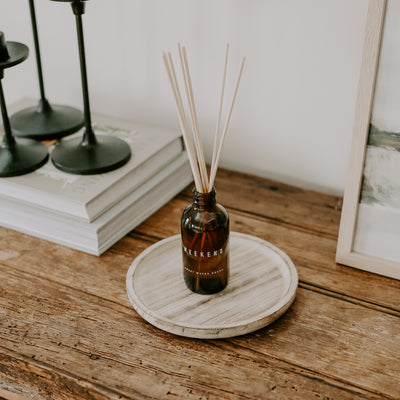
column 262, row 286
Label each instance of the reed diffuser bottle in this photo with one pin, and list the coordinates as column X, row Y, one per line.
column 205, row 244
column 204, row 223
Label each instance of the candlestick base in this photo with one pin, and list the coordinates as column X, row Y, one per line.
column 46, row 123
column 24, row 156
column 77, row 157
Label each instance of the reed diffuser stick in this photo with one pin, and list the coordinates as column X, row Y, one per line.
column 169, row 66
column 195, row 153
column 193, row 114
column 214, row 167
column 220, row 109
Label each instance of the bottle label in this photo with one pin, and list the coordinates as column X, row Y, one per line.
column 203, row 254
column 204, row 273
column 207, row 263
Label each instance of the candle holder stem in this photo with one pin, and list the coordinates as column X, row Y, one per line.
column 89, row 137
column 37, row 52
column 44, row 105
column 8, row 138
column 17, row 156
column 44, row 121
column 92, row 154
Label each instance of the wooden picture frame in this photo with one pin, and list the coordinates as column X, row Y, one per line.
column 351, row 250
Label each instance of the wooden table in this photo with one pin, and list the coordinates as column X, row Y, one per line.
column 68, row 331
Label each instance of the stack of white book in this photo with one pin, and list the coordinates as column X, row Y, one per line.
column 91, row 212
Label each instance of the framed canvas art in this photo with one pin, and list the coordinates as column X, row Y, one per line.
column 369, row 235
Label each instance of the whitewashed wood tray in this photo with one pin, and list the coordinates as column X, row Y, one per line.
column 262, row 286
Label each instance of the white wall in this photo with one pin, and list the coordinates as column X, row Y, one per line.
column 294, row 113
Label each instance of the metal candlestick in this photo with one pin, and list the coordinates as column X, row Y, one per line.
column 43, row 122
column 17, row 156
column 93, row 154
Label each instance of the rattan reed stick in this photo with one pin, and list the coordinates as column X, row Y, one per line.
column 214, row 154
column 217, row 158
column 169, row 66
column 193, row 115
column 195, row 153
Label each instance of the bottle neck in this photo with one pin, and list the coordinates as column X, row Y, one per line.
column 204, row 201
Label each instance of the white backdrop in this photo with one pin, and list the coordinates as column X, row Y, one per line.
column 294, row 113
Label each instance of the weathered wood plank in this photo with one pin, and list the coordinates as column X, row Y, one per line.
column 70, row 311
column 26, row 379
column 313, row 255
column 6, row 395
column 110, row 348
column 353, row 342
column 283, row 203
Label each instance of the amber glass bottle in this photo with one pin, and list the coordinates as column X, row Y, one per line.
column 205, row 244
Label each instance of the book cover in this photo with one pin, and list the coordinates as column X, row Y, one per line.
column 98, row 236
column 88, row 196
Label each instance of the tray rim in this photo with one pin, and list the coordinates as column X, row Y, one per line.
column 212, row 332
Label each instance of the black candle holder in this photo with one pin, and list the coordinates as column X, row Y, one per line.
column 17, row 156
column 92, row 154
column 45, row 121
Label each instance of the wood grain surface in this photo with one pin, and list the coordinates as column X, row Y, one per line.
column 68, row 330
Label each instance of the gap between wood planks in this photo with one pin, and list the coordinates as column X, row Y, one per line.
column 100, row 389
column 123, row 307
column 308, row 373
column 354, row 300
column 274, row 220
column 303, row 284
